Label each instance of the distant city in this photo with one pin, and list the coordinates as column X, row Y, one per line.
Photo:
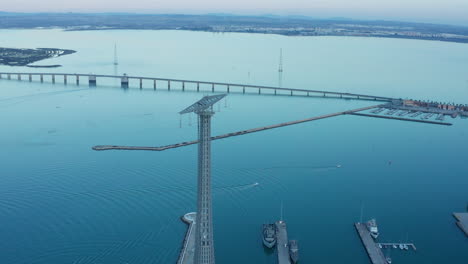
column 268, row 24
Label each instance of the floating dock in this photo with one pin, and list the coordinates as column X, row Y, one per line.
column 373, row 251
column 282, row 244
column 462, row 221
column 403, row 119
column 397, row 245
column 187, row 253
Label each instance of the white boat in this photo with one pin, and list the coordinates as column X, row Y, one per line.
column 389, row 260
column 405, row 247
column 401, row 246
column 372, row 227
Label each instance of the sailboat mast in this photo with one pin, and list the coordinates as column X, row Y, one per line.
column 281, row 218
column 362, row 208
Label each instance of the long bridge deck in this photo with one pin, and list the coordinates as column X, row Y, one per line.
column 253, row 130
column 212, row 86
column 238, row 133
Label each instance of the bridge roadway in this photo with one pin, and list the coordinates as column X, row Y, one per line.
column 92, row 78
column 243, row 132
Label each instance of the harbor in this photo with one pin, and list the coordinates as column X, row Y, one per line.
column 462, row 221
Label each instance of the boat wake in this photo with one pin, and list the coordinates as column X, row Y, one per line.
column 238, row 187
column 313, row 168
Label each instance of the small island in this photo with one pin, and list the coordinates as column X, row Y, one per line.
column 24, row 57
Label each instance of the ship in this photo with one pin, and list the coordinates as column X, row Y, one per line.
column 372, row 227
column 293, row 251
column 269, row 235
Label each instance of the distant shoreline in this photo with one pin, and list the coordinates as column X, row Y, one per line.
column 453, row 40
column 222, row 23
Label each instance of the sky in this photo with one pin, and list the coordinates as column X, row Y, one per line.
column 436, row 11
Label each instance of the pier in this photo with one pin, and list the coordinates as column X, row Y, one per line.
column 282, row 243
column 253, row 130
column 238, row 133
column 373, row 250
column 187, row 253
column 204, row 86
column 462, row 221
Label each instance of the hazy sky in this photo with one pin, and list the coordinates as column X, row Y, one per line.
column 423, row 10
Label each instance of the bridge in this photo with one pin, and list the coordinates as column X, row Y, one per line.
column 168, row 84
column 399, row 107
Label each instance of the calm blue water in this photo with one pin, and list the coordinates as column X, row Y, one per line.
column 61, row 202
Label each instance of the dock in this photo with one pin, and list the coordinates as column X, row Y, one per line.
column 282, row 243
column 373, row 251
column 403, row 119
column 397, row 245
column 187, row 253
column 462, row 221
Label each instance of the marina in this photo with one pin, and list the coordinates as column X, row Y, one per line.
column 462, row 221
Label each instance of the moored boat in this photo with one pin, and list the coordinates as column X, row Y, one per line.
column 293, row 251
column 372, row 227
column 269, row 235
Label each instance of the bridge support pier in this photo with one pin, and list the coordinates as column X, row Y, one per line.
column 65, row 79
column 308, row 94
column 212, row 87
column 243, row 90
column 198, row 86
column 42, row 78
column 9, row 76
column 324, row 95
column 228, row 89
column 77, row 80
column 124, row 81
column 275, row 91
column 168, row 85
column 30, row 78
column 154, row 85
column 141, row 83
column 259, row 91
column 291, row 93
column 0, row 76
column 53, row 78
column 92, row 80
column 19, row 77
column 183, row 86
